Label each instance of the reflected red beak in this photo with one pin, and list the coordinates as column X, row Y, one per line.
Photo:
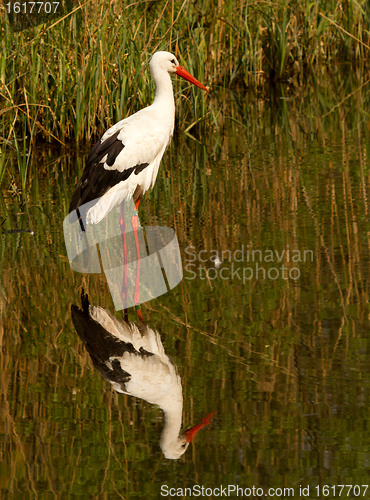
column 184, row 74
column 191, row 433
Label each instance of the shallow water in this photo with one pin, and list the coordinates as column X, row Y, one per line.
column 274, row 336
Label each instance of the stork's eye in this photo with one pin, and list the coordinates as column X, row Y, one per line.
column 173, row 61
column 183, row 445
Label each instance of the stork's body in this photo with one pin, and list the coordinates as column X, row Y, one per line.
column 133, row 359
column 124, row 163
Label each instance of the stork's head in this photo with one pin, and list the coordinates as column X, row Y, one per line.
column 175, row 449
column 166, row 61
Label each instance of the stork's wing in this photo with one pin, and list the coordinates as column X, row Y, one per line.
column 125, row 149
column 102, row 345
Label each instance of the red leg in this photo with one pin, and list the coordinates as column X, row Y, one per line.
column 135, row 227
column 123, row 226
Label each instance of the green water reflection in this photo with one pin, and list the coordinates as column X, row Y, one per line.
column 283, row 359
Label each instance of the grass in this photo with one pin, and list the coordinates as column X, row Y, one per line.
column 71, row 78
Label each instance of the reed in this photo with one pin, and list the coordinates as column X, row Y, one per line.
column 71, row 78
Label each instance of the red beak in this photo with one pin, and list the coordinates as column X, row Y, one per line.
column 191, row 433
column 184, row 74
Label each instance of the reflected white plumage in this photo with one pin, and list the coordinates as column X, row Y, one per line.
column 134, row 361
column 125, row 162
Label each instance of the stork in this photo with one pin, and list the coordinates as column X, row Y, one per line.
column 124, row 163
column 134, row 361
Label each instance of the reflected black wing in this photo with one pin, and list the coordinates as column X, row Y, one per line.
column 101, row 344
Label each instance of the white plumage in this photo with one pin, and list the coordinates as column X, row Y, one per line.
column 134, row 361
column 124, row 163
column 154, row 377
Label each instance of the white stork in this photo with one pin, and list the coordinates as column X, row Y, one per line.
column 134, row 361
column 124, row 163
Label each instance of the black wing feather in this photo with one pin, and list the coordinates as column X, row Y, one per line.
column 96, row 180
column 101, row 345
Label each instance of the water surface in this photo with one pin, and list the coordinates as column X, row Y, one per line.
column 274, row 336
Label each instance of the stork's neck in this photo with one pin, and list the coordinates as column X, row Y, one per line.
column 163, row 91
column 172, row 426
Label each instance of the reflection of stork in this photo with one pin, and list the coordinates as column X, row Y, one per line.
column 132, row 358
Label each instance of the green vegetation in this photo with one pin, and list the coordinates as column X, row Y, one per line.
column 71, row 78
